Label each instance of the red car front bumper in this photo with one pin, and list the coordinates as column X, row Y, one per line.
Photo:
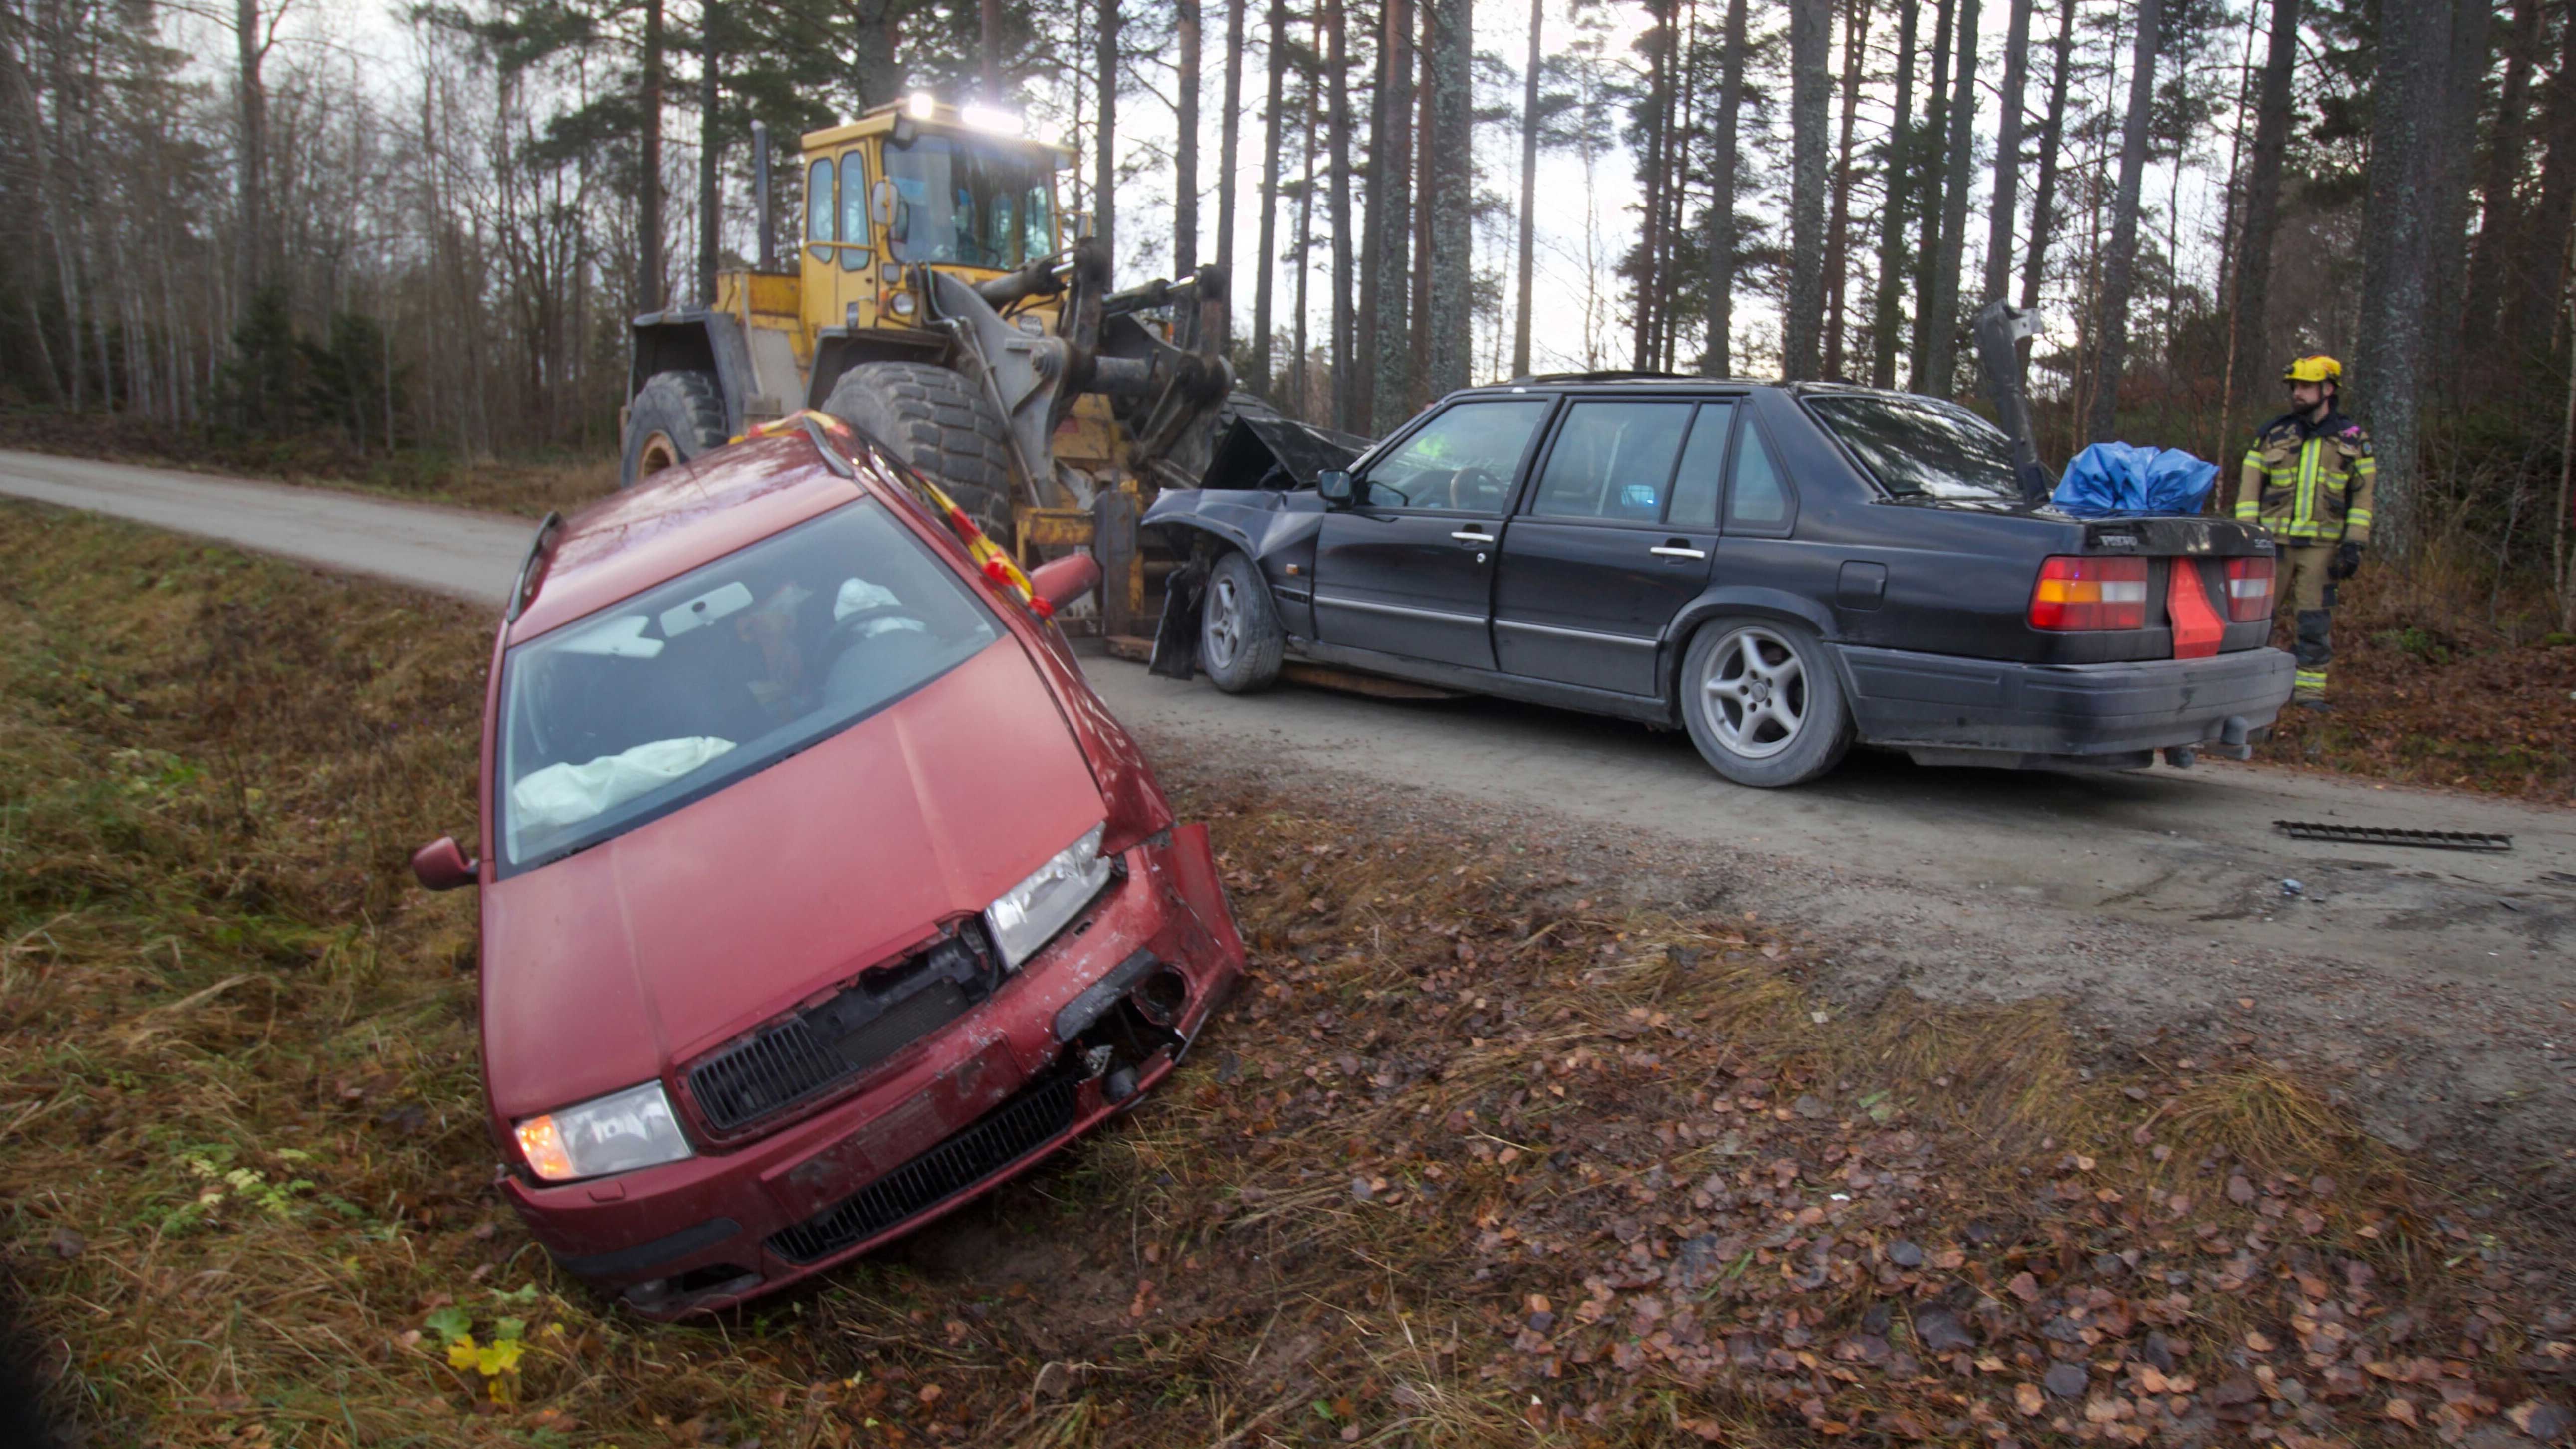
column 986, row 1097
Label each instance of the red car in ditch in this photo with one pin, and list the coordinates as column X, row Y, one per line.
column 819, row 893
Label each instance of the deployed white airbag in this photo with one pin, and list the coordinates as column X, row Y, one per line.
column 567, row 794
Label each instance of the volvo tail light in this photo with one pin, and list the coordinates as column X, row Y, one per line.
column 2090, row 593
column 2249, row 590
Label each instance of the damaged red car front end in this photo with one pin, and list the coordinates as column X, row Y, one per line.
column 820, row 894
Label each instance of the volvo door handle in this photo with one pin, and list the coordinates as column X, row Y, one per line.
column 1466, row 536
column 1665, row 550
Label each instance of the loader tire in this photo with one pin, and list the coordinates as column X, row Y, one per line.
column 676, row 417
column 941, row 423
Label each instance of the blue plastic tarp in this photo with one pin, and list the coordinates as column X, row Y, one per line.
column 2122, row 478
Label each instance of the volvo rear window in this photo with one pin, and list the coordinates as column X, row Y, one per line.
column 1922, row 449
column 657, row 700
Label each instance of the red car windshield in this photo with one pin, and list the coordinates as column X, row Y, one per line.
column 657, row 700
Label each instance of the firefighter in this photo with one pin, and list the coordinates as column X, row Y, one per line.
column 2308, row 479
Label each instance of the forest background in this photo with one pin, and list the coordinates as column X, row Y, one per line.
column 416, row 231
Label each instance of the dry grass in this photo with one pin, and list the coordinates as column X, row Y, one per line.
column 246, row 1176
column 529, row 487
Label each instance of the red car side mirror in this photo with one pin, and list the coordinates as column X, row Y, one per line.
column 442, row 866
column 1061, row 581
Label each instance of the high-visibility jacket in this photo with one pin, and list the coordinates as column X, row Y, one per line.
column 2309, row 482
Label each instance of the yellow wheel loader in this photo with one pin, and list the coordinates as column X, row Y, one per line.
column 940, row 301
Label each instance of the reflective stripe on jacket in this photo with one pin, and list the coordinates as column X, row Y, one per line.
column 2310, row 485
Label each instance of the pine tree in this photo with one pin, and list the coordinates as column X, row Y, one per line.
column 2120, row 258
column 1528, row 239
column 2263, row 208
column 1811, row 87
column 1941, row 365
column 1449, row 32
column 1887, row 315
column 1838, row 227
column 1724, row 162
column 2001, row 207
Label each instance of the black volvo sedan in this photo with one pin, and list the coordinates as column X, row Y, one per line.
column 1782, row 570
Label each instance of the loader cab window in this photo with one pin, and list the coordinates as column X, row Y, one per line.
column 818, row 205
column 970, row 205
column 854, row 210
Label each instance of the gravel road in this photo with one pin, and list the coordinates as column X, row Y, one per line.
column 2438, row 988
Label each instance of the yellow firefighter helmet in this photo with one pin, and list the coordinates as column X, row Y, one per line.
column 2315, row 368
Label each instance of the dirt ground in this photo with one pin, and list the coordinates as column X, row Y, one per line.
column 1526, row 1129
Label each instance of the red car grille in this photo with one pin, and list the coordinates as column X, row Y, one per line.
column 798, row 1060
column 1001, row 1138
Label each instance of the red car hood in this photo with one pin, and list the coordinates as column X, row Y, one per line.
column 601, row 968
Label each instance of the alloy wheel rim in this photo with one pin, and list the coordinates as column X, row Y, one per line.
column 1224, row 632
column 1753, row 693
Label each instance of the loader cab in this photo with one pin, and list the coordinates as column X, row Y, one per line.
column 919, row 182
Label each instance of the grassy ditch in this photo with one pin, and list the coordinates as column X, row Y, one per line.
column 1474, row 1159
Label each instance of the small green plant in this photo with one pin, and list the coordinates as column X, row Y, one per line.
column 223, row 1177
column 2424, row 645
column 495, row 1360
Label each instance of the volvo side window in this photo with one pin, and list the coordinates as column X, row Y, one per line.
column 1759, row 501
column 1612, row 461
column 1462, row 461
column 1703, row 469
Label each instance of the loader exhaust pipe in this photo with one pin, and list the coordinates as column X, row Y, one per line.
column 760, row 195
column 1999, row 327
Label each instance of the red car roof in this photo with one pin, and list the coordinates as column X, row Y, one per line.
column 685, row 517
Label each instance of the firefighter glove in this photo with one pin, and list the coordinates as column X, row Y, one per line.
column 2347, row 562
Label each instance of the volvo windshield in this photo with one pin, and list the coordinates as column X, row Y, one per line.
column 653, row 702
column 970, row 205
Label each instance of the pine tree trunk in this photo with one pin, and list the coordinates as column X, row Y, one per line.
column 1450, row 259
column 1838, row 226
column 1887, row 314
column 1677, row 181
column 2043, row 204
column 1266, row 257
column 2408, row 123
column 2119, row 261
column 251, row 94
column 1929, row 152
column 648, row 200
column 1725, row 158
column 1104, row 161
column 2006, row 201
column 2534, row 290
column 1301, row 402
column 1658, row 124
column 1185, row 149
column 2500, row 221
column 710, row 147
column 1529, row 193
column 1391, row 179
column 1229, row 144
column 1810, row 89
column 2253, row 372
column 1344, row 345
column 1426, row 140
column 1961, row 151
column 2464, row 91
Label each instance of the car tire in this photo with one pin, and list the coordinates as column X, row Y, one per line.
column 1763, row 702
column 1240, row 640
column 676, row 417
column 940, row 422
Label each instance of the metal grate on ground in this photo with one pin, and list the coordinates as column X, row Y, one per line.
column 2368, row 835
